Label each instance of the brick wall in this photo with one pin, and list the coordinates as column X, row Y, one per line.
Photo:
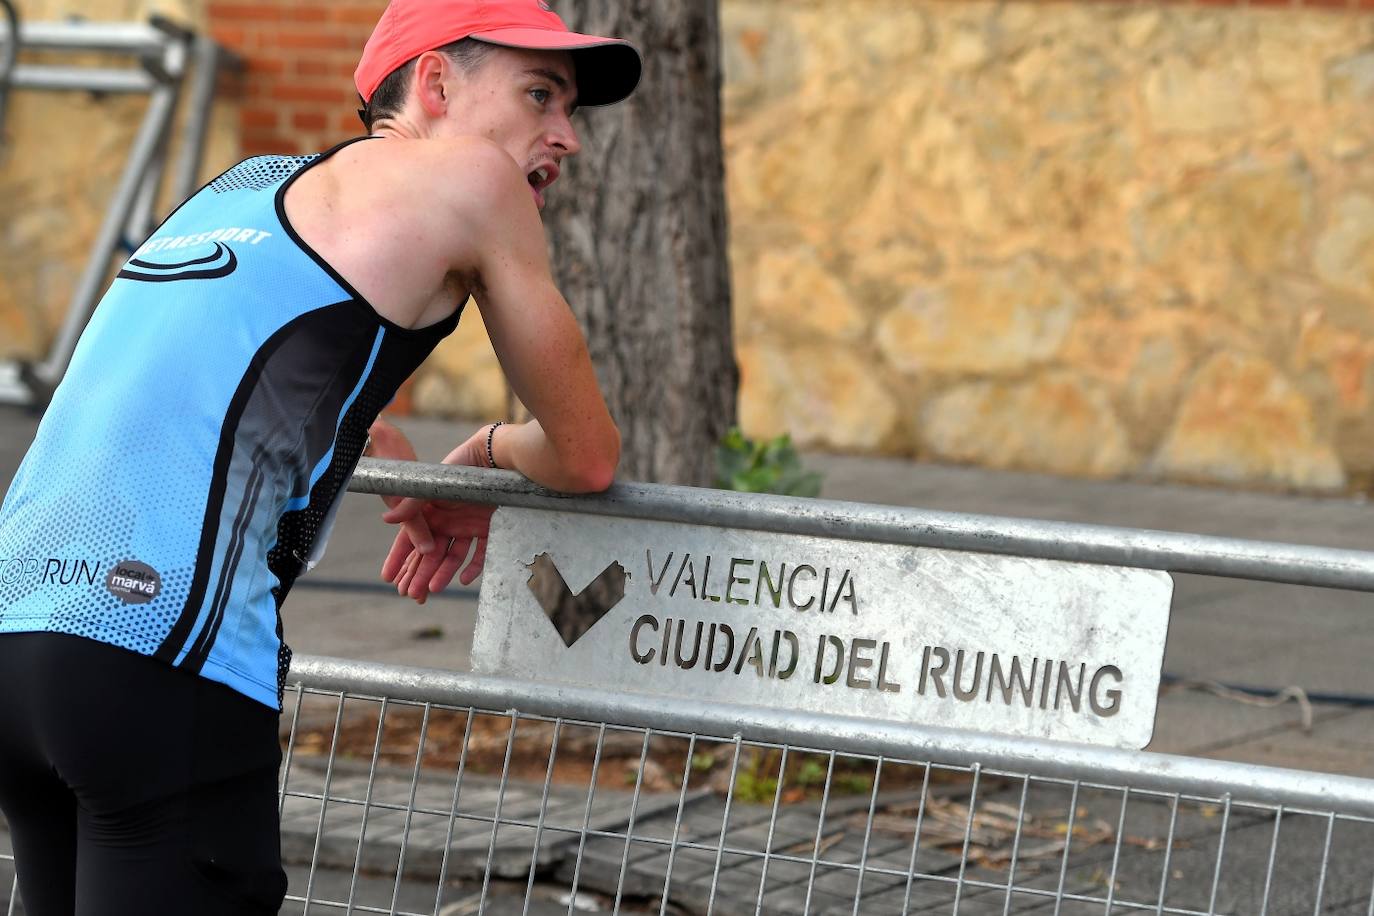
column 297, row 93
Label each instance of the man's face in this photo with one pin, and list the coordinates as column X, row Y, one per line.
column 523, row 101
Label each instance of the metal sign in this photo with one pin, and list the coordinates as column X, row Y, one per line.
column 1007, row 645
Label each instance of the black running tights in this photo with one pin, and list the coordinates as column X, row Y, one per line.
column 133, row 788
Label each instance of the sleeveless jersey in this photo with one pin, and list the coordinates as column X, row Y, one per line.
column 189, row 465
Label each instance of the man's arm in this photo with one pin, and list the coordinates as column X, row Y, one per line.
column 572, row 444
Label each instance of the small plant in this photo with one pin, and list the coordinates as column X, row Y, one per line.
column 811, row 773
column 755, row 789
column 763, row 467
column 757, row 779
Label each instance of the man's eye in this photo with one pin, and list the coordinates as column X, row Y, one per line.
column 541, row 95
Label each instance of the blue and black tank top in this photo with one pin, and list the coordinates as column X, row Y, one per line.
column 190, row 463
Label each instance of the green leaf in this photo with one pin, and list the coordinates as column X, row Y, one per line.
column 811, row 772
column 703, row 762
column 773, row 466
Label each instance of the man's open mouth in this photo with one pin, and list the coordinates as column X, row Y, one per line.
column 540, row 179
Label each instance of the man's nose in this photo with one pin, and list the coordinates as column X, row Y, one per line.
column 564, row 136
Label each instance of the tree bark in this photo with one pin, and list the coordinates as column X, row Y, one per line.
column 637, row 225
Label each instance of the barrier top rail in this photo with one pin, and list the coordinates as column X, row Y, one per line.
column 1169, row 551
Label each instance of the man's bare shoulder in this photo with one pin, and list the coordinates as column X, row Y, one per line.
column 395, row 209
column 471, row 173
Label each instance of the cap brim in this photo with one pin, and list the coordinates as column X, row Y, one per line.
column 608, row 69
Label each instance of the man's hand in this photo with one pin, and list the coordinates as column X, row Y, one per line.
column 457, row 527
column 462, row 527
column 389, row 442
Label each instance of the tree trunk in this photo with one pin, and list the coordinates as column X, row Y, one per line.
column 638, row 230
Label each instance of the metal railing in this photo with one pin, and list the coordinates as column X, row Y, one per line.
column 422, row 791
column 1170, row 551
column 438, row 792
column 431, row 792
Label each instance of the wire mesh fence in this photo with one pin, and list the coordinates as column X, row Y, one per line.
column 398, row 806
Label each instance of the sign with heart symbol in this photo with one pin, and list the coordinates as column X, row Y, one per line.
column 956, row 639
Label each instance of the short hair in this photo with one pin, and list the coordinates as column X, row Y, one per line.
column 390, row 96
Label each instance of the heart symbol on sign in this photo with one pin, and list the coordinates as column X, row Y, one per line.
column 573, row 615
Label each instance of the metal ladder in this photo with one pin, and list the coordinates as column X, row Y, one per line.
column 164, row 57
column 9, row 53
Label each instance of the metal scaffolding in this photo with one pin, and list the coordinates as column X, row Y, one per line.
column 163, row 56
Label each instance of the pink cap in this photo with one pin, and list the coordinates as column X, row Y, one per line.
column 608, row 69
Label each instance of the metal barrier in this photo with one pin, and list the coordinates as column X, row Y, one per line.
column 425, row 791
column 420, row 791
column 1163, row 550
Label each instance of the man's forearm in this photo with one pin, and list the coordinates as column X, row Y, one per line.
column 526, row 448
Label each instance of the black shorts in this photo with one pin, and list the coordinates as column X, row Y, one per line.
column 133, row 788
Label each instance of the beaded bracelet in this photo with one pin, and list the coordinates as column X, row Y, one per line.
column 491, row 433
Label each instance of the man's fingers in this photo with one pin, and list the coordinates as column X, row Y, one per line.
column 424, row 572
column 409, row 514
column 418, row 575
column 404, row 510
column 447, row 569
column 402, row 574
column 476, row 564
column 389, row 442
column 407, row 574
column 418, row 531
column 463, row 521
column 396, row 557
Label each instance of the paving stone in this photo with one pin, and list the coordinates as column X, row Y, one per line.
column 844, row 882
column 1194, row 721
column 922, row 898
column 736, row 893
column 1192, row 870
column 471, row 850
column 1340, row 742
column 736, row 873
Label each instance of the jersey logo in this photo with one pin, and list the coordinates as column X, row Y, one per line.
column 133, row 582
column 221, row 263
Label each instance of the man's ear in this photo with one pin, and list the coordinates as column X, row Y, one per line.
column 431, row 70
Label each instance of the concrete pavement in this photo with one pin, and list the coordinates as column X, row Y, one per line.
column 1221, row 630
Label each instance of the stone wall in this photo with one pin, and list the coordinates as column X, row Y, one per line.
column 1087, row 238
column 60, row 159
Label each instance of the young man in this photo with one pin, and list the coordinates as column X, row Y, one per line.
column 188, row 467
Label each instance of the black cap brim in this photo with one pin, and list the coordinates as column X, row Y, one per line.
column 608, row 70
